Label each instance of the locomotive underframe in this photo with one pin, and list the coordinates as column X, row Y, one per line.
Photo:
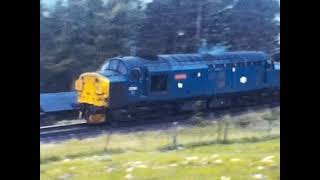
column 149, row 110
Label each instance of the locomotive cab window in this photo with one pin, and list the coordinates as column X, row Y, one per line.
column 113, row 65
column 159, row 83
column 269, row 65
column 276, row 66
column 135, row 74
column 122, row 69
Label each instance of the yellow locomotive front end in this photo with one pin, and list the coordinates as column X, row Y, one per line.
column 93, row 94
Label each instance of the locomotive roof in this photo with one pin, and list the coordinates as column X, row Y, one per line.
column 166, row 60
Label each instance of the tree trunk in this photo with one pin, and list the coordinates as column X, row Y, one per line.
column 198, row 22
column 226, row 128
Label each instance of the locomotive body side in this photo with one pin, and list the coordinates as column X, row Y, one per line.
column 175, row 80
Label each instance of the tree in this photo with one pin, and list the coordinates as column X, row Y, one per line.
column 80, row 36
column 179, row 26
column 248, row 25
column 170, row 27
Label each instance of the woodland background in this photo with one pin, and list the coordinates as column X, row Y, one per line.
column 77, row 36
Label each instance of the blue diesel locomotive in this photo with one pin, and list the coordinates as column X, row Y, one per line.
column 126, row 87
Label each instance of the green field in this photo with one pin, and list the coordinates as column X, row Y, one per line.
column 252, row 152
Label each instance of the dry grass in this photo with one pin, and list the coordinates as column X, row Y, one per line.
column 240, row 159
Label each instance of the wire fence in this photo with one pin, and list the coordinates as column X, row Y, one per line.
column 250, row 127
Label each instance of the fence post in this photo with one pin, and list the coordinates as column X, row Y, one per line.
column 107, row 141
column 269, row 126
column 219, row 130
column 226, row 128
column 174, row 137
column 270, row 118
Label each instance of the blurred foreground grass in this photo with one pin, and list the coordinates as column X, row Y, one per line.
column 251, row 152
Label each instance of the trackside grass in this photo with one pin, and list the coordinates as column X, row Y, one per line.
column 251, row 152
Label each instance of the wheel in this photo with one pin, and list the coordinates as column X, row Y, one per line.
column 96, row 119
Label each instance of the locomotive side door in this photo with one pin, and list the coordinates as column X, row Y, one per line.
column 137, row 83
column 144, row 81
column 220, row 79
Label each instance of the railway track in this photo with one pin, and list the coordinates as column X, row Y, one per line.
column 82, row 130
column 61, row 129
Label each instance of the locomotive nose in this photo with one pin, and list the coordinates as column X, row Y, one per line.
column 93, row 89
